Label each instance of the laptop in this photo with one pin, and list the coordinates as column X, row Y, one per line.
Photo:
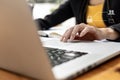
column 22, row 52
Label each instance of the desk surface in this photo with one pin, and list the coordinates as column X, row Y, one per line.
column 109, row 70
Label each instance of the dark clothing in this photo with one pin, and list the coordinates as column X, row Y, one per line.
column 78, row 9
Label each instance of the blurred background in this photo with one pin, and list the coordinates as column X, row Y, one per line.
column 41, row 8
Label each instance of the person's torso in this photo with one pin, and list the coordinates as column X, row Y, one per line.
column 110, row 14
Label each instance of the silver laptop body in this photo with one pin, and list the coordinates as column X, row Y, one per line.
column 21, row 50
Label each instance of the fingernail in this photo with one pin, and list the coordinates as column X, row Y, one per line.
column 64, row 40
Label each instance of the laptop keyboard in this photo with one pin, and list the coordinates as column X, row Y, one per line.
column 59, row 56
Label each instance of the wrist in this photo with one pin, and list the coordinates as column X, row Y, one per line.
column 109, row 33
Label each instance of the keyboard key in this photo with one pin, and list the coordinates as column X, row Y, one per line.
column 59, row 56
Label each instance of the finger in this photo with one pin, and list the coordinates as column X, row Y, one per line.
column 76, row 30
column 66, row 35
column 63, row 35
column 84, row 31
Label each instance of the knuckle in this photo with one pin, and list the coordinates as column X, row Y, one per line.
column 82, row 23
column 70, row 29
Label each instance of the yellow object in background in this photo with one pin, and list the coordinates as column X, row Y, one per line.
column 94, row 16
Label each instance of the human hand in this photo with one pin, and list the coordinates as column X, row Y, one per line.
column 83, row 32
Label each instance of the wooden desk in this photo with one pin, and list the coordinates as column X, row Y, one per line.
column 110, row 70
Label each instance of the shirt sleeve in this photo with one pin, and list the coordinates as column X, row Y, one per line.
column 116, row 27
